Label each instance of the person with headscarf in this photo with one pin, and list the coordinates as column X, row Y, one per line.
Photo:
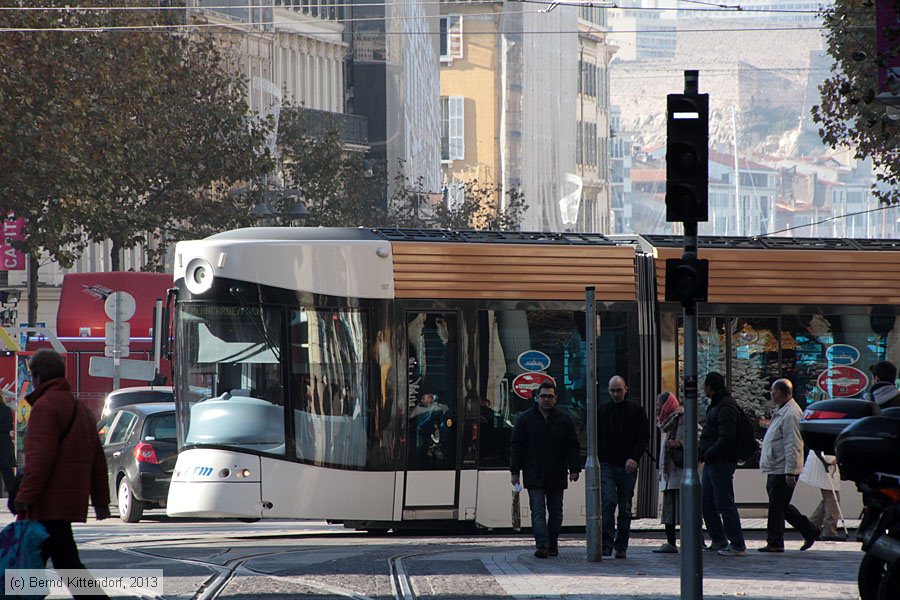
column 670, row 422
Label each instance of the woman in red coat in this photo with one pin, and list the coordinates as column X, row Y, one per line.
column 64, row 461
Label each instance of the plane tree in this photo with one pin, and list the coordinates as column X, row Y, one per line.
column 849, row 114
column 120, row 126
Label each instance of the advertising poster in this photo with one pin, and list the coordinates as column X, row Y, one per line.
column 23, row 410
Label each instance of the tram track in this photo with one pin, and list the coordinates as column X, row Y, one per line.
column 213, row 587
column 224, row 570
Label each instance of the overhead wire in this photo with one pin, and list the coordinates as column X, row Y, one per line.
column 324, row 7
column 829, row 219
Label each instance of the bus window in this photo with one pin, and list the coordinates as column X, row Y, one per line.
column 328, row 372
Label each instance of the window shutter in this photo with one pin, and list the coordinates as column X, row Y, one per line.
column 455, row 33
column 445, row 128
column 457, row 128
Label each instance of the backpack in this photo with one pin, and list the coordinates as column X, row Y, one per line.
column 745, row 446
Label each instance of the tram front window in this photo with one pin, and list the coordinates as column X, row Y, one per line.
column 229, row 377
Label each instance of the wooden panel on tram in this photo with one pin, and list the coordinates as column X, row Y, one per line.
column 796, row 276
column 513, row 271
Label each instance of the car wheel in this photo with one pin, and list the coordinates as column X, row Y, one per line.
column 871, row 573
column 130, row 508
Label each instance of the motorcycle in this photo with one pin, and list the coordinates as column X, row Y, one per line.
column 866, row 442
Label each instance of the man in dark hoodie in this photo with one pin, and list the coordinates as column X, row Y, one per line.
column 623, row 432
column 717, row 443
column 884, row 389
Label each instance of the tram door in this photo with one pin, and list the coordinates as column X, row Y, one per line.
column 432, row 432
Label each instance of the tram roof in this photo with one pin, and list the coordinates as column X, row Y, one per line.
column 775, row 243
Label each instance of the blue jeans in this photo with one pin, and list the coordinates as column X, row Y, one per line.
column 616, row 489
column 719, row 510
column 544, row 530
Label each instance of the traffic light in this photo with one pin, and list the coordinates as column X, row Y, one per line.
column 687, row 280
column 687, row 157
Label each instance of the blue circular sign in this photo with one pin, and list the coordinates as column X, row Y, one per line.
column 841, row 354
column 534, row 360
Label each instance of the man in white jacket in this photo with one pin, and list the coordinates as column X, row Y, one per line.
column 782, row 462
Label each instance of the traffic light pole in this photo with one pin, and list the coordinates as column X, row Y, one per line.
column 691, row 522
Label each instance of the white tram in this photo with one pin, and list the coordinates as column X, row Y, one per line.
column 373, row 377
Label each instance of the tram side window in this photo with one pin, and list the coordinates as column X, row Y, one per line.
column 232, row 359
column 510, row 339
column 329, row 385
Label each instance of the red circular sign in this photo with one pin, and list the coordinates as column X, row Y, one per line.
column 842, row 382
column 525, row 384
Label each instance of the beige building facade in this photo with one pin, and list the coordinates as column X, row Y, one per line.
column 528, row 111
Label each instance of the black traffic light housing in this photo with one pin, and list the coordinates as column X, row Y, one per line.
column 687, row 157
column 687, row 280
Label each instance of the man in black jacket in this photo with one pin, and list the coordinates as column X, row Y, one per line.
column 545, row 446
column 717, row 442
column 623, row 432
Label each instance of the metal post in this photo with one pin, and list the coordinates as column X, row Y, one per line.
column 158, row 329
column 592, row 466
column 117, row 343
column 691, row 523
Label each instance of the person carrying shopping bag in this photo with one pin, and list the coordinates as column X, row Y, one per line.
column 826, row 477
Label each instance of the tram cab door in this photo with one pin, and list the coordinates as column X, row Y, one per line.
column 431, row 487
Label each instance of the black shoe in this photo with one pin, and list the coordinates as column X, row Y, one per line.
column 808, row 543
column 607, row 552
column 768, row 548
column 553, row 550
column 620, row 554
column 541, row 553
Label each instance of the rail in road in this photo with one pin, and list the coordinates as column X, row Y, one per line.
column 220, row 560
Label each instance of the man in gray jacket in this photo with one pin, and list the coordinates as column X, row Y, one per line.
column 782, row 462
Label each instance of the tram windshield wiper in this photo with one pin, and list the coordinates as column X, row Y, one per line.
column 260, row 326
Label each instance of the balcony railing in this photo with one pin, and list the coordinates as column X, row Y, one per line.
column 352, row 129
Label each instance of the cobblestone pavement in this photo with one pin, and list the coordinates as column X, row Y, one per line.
column 314, row 560
column 825, row 572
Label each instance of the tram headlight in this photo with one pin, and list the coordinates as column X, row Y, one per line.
column 225, row 473
column 244, row 473
column 198, row 276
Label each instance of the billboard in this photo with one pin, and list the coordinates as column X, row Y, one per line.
column 13, row 230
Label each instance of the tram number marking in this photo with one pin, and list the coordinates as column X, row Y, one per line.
column 203, row 471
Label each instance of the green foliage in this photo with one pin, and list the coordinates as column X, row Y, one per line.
column 120, row 135
column 333, row 183
column 848, row 113
column 340, row 191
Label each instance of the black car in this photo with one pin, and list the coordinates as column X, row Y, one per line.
column 141, row 449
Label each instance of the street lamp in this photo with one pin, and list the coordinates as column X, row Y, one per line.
column 267, row 209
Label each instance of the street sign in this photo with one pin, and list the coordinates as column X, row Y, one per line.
column 841, row 354
column 120, row 351
column 117, row 333
column 534, row 360
column 842, row 382
column 140, row 370
column 525, row 384
column 120, row 305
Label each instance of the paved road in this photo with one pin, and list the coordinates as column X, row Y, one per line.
column 313, row 560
